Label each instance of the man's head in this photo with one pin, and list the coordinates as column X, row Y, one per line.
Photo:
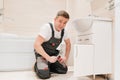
column 61, row 20
column 63, row 14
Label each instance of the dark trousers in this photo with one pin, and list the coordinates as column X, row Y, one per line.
column 44, row 71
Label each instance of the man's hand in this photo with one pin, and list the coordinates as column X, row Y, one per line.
column 61, row 59
column 52, row 59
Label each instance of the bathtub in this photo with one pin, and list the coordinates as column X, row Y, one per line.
column 16, row 53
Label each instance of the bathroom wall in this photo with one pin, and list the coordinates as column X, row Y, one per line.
column 103, row 8
column 1, row 15
column 24, row 17
column 79, row 8
column 117, row 41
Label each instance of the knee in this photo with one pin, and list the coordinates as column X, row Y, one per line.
column 63, row 71
column 43, row 74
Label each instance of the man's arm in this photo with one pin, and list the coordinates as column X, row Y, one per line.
column 38, row 47
column 68, row 48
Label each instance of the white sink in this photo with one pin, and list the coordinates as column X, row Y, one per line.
column 83, row 24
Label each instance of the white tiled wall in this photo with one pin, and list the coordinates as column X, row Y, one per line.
column 100, row 8
column 24, row 17
column 117, row 41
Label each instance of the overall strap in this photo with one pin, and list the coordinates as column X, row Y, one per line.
column 52, row 29
column 62, row 34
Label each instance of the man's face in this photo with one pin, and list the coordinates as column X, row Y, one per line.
column 60, row 22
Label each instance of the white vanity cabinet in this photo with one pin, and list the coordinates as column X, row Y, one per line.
column 83, row 59
column 95, row 59
column 102, row 38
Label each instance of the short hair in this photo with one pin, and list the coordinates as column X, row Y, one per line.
column 63, row 14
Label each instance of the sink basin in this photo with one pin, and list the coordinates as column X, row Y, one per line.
column 83, row 24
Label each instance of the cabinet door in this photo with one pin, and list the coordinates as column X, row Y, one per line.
column 102, row 39
column 83, row 60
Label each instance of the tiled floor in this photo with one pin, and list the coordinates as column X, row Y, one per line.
column 30, row 75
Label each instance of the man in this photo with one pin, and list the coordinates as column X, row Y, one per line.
column 49, row 38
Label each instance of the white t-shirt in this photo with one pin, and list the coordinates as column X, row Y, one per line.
column 46, row 32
